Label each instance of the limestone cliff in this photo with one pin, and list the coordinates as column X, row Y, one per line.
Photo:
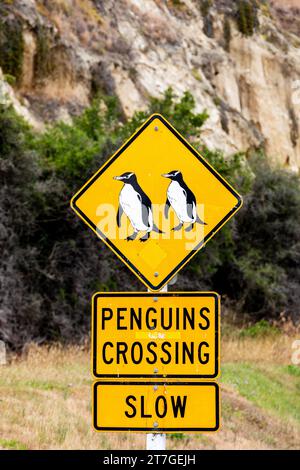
column 240, row 59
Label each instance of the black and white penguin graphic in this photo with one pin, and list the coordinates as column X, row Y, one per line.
column 182, row 200
column 137, row 206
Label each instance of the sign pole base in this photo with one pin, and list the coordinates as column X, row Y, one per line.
column 157, row 441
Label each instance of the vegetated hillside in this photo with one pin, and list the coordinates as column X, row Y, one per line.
column 232, row 70
column 260, row 406
column 240, row 59
column 51, row 263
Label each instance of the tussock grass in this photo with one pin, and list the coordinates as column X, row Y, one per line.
column 269, row 349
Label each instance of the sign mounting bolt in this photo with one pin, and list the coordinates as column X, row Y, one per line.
column 156, row 128
column 156, row 274
column 155, row 370
column 155, row 299
column 155, row 387
column 155, row 424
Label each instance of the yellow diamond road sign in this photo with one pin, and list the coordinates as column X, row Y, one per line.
column 156, row 202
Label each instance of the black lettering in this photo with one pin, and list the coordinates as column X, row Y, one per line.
column 162, row 399
column 106, row 361
column 150, row 347
column 121, row 317
column 186, row 351
column 132, row 398
column 176, row 352
column 163, row 348
column 135, row 318
column 178, row 406
column 151, row 322
column 136, row 346
column 190, row 317
column 178, row 317
column 105, row 317
column 122, row 349
column 203, row 357
column 164, row 324
column 204, row 317
column 143, row 414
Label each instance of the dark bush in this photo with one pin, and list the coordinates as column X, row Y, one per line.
column 205, row 6
column 227, row 33
column 42, row 58
column 181, row 113
column 11, row 45
column 50, row 264
column 246, row 16
column 268, row 245
column 20, row 305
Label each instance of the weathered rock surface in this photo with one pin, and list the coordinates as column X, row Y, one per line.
column 250, row 85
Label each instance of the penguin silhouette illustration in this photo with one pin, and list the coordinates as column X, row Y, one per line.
column 137, row 206
column 182, row 200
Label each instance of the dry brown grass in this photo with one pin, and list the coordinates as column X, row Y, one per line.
column 45, row 403
column 275, row 349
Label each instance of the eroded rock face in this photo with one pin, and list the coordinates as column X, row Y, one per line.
column 137, row 48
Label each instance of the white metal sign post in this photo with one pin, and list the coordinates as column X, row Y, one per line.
column 158, row 441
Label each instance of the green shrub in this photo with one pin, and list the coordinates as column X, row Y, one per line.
column 292, row 369
column 177, row 3
column 259, row 329
column 205, row 7
column 10, row 79
column 43, row 66
column 181, row 113
column 69, row 150
column 246, row 16
column 227, row 33
column 19, row 173
column 177, row 436
column 13, row 444
column 11, row 46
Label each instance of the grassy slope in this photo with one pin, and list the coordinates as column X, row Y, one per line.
column 45, row 401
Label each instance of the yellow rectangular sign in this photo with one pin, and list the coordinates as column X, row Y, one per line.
column 154, row 408
column 161, row 335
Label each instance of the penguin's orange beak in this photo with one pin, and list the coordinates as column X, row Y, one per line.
column 119, row 178
column 166, row 175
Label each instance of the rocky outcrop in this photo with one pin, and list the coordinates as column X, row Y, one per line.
column 244, row 73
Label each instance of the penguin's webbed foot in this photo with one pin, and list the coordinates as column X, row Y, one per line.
column 189, row 228
column 131, row 237
column 199, row 221
column 145, row 237
column 178, row 227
